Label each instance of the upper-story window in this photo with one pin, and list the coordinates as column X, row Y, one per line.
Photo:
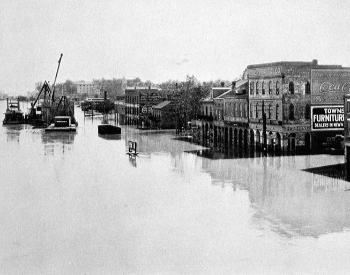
column 291, row 112
column 277, row 88
column 263, row 88
column 307, row 111
column 270, row 87
column 277, row 111
column 251, row 110
column 245, row 110
column 206, row 110
column 239, row 111
column 251, row 87
column 234, row 110
column 257, row 110
column 307, row 88
column 269, row 111
column 257, row 87
column 291, row 88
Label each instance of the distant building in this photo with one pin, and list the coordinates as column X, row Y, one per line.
column 164, row 114
column 139, row 102
column 89, row 88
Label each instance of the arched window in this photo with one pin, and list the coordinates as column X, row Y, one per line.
column 251, row 110
column 277, row 111
column 251, row 87
column 270, row 87
column 291, row 88
column 291, row 112
column 269, row 111
column 307, row 111
column 263, row 88
column 257, row 87
column 257, row 110
column 307, row 88
column 277, row 88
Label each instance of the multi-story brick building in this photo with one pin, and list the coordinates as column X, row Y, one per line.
column 289, row 93
column 139, row 102
column 279, row 106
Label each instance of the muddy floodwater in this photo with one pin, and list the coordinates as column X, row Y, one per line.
column 78, row 204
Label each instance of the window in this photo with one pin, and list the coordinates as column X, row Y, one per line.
column 234, row 110
column 277, row 88
column 263, row 88
column 257, row 87
column 291, row 88
column 307, row 111
column 251, row 87
column 291, row 112
column 239, row 110
column 307, row 88
column 277, row 111
column 270, row 87
column 244, row 110
column 269, row 111
column 251, row 110
column 206, row 110
column 257, row 110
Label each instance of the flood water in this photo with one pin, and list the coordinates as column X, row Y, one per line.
column 77, row 204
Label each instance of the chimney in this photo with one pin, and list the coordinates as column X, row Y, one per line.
column 314, row 62
column 233, row 84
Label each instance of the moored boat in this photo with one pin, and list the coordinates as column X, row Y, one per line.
column 13, row 114
column 62, row 124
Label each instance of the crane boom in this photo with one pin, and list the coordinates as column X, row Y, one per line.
column 53, row 92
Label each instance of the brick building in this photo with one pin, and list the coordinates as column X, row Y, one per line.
column 139, row 102
column 286, row 106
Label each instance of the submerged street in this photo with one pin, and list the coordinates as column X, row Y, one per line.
column 76, row 203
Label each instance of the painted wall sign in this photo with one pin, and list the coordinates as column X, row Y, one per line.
column 327, row 118
column 329, row 86
column 270, row 71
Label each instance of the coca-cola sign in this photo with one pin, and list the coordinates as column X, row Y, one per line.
column 329, row 85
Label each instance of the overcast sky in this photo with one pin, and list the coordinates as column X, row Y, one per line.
column 161, row 40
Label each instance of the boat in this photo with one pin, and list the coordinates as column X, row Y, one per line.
column 13, row 114
column 62, row 124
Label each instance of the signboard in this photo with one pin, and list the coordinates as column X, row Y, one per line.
column 327, row 118
column 329, row 86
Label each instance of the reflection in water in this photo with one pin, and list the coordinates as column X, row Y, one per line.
column 13, row 131
column 132, row 160
column 111, row 137
column 294, row 201
column 57, row 141
column 58, row 137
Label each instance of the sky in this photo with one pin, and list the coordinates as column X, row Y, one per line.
column 162, row 40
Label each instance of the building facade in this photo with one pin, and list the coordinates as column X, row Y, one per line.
column 88, row 88
column 280, row 106
column 139, row 102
